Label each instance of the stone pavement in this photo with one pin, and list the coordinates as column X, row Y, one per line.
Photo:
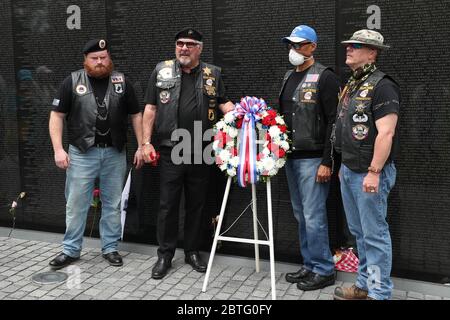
column 91, row 277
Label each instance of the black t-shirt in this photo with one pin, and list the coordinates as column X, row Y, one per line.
column 328, row 98
column 99, row 87
column 386, row 100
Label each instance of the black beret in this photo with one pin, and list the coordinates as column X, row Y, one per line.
column 189, row 33
column 95, row 45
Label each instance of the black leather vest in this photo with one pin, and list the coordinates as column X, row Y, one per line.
column 83, row 113
column 168, row 85
column 355, row 126
column 308, row 127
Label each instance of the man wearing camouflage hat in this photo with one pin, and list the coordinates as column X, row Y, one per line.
column 95, row 102
column 367, row 138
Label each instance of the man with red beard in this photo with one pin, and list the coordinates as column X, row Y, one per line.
column 95, row 102
column 182, row 98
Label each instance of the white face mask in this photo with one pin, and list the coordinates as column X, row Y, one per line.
column 297, row 59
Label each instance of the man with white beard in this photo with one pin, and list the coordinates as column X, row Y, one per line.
column 183, row 94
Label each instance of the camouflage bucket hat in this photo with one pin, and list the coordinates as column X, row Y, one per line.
column 368, row 37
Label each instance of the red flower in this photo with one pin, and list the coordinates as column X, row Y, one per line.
column 272, row 113
column 259, row 157
column 281, row 153
column 96, row 193
column 222, row 138
column 219, row 161
column 154, row 162
column 283, row 128
column 266, row 121
column 234, row 152
column 239, row 123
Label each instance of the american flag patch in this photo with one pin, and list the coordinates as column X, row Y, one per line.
column 55, row 102
column 312, row 78
column 117, row 79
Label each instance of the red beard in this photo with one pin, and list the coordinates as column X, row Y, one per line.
column 99, row 71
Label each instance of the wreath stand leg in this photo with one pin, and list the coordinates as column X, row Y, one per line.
column 254, row 241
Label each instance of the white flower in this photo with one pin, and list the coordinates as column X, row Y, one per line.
column 231, row 172
column 230, row 143
column 268, row 163
column 260, row 166
column 266, row 151
column 14, row 204
column 223, row 166
column 276, row 140
column 280, row 163
column 273, row 172
column 280, row 120
column 233, row 132
column 274, row 131
column 225, row 155
column 234, row 161
column 229, row 118
column 220, row 124
column 284, row 145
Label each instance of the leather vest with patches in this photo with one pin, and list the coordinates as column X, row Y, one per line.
column 355, row 125
column 82, row 117
column 168, row 86
column 308, row 126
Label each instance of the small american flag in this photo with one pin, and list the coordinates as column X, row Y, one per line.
column 312, row 78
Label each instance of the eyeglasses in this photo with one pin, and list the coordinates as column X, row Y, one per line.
column 296, row 46
column 189, row 45
column 355, row 45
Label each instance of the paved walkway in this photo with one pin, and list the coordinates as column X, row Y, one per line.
column 91, row 277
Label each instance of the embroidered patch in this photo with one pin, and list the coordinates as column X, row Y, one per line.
column 81, row 89
column 116, row 79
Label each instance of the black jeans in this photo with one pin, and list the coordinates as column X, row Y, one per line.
column 194, row 179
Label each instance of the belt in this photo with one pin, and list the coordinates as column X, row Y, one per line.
column 102, row 145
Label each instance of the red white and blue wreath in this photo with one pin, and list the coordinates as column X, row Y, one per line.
column 235, row 141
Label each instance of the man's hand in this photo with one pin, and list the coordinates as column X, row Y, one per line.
column 62, row 159
column 371, row 183
column 149, row 153
column 323, row 174
column 138, row 159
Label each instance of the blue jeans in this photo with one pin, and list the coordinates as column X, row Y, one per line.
column 366, row 217
column 308, row 200
column 110, row 166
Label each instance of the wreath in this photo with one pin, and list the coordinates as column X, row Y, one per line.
column 237, row 151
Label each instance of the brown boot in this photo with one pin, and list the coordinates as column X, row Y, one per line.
column 352, row 293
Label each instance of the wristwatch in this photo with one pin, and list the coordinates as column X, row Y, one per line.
column 146, row 143
column 374, row 170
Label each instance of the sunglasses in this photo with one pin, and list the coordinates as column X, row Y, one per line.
column 355, row 45
column 189, row 45
column 296, row 46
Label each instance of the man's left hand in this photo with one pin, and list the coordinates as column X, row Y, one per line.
column 323, row 174
column 138, row 159
column 371, row 183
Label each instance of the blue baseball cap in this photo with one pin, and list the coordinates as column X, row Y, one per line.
column 300, row 34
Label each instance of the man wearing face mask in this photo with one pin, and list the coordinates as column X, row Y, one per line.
column 308, row 100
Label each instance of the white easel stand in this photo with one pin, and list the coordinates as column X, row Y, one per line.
column 254, row 241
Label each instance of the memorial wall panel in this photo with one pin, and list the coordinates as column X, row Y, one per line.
column 42, row 42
